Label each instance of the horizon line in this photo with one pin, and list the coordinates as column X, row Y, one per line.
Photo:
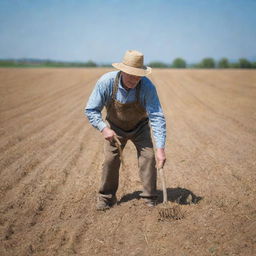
column 251, row 59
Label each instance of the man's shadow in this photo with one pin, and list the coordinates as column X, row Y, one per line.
column 178, row 195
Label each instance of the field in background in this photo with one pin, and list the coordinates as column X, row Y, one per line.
column 51, row 158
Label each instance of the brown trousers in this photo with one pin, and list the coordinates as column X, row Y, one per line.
column 141, row 138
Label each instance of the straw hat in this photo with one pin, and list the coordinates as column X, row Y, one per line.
column 133, row 64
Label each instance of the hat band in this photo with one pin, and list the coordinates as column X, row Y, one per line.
column 142, row 71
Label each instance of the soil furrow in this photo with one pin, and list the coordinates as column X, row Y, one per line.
column 36, row 155
column 45, row 121
column 32, row 104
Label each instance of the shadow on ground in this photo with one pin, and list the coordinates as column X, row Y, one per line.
column 178, row 195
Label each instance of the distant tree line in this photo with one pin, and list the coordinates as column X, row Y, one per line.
column 44, row 63
column 205, row 63
column 177, row 63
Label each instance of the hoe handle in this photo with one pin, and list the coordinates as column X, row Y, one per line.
column 117, row 141
column 162, row 176
column 118, row 145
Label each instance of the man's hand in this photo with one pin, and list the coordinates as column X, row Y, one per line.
column 108, row 133
column 160, row 157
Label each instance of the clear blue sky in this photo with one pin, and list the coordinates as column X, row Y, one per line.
column 101, row 30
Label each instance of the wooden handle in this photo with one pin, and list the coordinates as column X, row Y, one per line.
column 162, row 176
column 117, row 140
column 118, row 145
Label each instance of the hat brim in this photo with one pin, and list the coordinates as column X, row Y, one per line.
column 131, row 70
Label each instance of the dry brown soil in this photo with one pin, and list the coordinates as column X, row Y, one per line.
column 51, row 161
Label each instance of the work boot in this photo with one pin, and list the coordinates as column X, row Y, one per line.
column 150, row 202
column 104, row 202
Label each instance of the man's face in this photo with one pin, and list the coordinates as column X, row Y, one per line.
column 130, row 81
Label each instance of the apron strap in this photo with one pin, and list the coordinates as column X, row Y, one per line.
column 138, row 91
column 115, row 85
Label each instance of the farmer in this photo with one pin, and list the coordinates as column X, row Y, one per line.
column 132, row 104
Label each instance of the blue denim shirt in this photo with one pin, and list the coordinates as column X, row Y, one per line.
column 102, row 93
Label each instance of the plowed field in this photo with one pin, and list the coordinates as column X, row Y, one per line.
column 50, row 165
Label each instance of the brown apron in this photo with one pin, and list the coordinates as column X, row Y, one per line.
column 125, row 116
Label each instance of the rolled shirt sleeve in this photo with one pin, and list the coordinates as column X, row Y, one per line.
column 96, row 103
column 156, row 115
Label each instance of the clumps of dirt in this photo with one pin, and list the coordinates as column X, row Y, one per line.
column 9, row 232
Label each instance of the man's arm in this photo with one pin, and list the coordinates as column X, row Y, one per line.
column 157, row 122
column 95, row 104
column 161, row 157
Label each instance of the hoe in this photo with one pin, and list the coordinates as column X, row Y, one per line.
column 167, row 210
